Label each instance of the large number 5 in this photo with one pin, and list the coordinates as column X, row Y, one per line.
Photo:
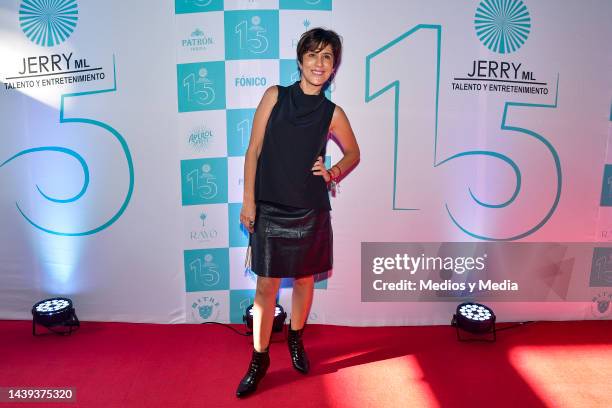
column 83, row 164
column 433, row 97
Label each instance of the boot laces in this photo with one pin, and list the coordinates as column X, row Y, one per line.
column 256, row 363
column 295, row 342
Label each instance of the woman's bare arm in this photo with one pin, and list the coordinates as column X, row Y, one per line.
column 343, row 133
column 260, row 121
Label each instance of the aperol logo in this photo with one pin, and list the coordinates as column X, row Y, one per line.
column 502, row 26
column 48, row 22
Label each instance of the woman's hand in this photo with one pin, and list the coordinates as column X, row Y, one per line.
column 247, row 215
column 318, row 169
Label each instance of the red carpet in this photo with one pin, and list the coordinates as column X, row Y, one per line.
column 548, row 364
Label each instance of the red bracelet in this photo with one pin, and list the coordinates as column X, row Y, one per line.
column 331, row 174
column 332, row 185
column 339, row 170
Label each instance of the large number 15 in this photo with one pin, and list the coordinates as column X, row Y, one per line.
column 424, row 93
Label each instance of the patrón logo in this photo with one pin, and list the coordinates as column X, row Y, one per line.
column 48, row 22
column 197, row 41
column 502, row 25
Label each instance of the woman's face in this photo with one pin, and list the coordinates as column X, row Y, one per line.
column 318, row 65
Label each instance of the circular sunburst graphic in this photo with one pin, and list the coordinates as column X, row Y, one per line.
column 48, row 22
column 502, row 25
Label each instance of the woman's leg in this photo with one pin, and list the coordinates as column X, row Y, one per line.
column 301, row 300
column 263, row 311
column 263, row 317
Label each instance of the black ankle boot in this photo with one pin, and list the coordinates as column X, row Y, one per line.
column 257, row 369
column 299, row 359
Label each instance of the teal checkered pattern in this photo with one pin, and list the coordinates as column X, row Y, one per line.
column 252, row 61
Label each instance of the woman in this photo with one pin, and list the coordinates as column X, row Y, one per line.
column 286, row 202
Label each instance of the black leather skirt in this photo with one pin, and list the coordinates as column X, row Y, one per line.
column 290, row 242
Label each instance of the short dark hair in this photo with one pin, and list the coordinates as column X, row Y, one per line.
column 317, row 39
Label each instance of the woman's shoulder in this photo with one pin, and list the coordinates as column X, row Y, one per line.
column 338, row 111
column 338, row 117
column 270, row 96
column 275, row 92
column 272, row 92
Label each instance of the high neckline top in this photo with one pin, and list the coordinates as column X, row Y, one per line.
column 295, row 135
column 303, row 108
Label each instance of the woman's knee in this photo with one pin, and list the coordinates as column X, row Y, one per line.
column 267, row 286
column 303, row 283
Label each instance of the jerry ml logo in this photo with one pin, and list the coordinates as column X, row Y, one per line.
column 48, row 22
column 502, row 26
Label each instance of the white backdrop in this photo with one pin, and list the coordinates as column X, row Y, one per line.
column 155, row 236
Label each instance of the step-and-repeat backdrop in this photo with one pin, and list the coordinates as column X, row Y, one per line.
column 123, row 128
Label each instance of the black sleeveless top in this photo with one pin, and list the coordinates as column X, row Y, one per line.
column 296, row 134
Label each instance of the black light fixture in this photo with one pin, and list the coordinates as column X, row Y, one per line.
column 55, row 313
column 279, row 318
column 476, row 319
